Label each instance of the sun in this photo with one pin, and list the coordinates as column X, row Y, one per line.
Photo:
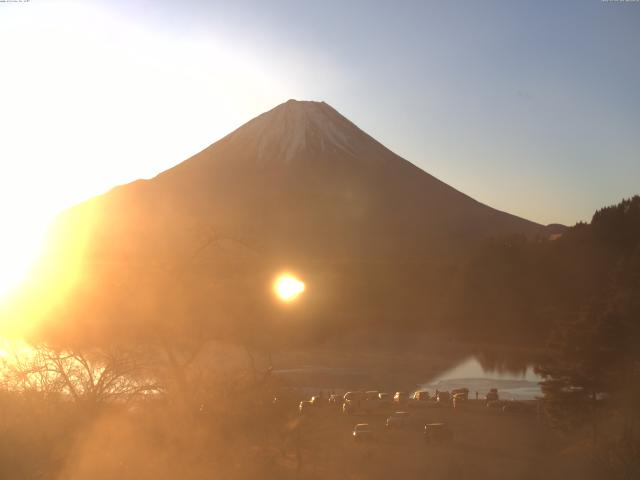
column 288, row 287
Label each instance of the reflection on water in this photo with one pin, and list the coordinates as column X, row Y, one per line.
column 479, row 373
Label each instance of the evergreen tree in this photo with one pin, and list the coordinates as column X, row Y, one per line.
column 593, row 368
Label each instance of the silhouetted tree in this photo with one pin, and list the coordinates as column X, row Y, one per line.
column 593, row 368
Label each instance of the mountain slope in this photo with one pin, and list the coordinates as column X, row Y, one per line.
column 303, row 179
column 299, row 187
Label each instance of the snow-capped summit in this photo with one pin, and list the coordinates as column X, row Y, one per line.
column 294, row 126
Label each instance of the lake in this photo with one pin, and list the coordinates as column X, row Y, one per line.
column 520, row 384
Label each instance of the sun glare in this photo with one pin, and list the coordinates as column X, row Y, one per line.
column 288, row 287
column 68, row 139
column 46, row 266
column 20, row 249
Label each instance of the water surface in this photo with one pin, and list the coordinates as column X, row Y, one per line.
column 519, row 383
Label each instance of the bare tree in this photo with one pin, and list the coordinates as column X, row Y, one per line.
column 91, row 376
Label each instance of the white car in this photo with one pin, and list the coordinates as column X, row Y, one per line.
column 397, row 420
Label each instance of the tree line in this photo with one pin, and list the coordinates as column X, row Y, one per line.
column 579, row 296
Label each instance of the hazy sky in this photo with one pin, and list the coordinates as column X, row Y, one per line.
column 530, row 107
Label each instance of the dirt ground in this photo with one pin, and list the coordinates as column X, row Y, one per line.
column 487, row 445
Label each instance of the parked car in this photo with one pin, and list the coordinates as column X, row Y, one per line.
column 305, row 406
column 354, row 396
column 437, row 433
column 443, row 398
column 421, row 399
column 353, row 402
column 372, row 395
column 397, row 420
column 401, row 397
column 462, row 392
column 335, row 400
column 362, row 432
column 372, row 403
column 492, row 395
column 459, row 399
column 385, row 398
column 421, row 396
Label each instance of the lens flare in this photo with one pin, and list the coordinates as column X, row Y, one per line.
column 288, row 287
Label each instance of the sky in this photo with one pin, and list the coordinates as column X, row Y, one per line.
column 530, row 107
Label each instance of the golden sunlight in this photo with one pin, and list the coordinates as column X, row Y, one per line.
column 47, row 270
column 288, row 287
column 20, row 249
column 39, row 179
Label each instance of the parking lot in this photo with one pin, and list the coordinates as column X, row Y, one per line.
column 486, row 443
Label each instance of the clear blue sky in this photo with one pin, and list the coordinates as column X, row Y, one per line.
column 531, row 107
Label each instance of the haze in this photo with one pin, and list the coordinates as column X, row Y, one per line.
column 530, row 108
column 298, row 240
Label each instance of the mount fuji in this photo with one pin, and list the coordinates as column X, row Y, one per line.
column 298, row 188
